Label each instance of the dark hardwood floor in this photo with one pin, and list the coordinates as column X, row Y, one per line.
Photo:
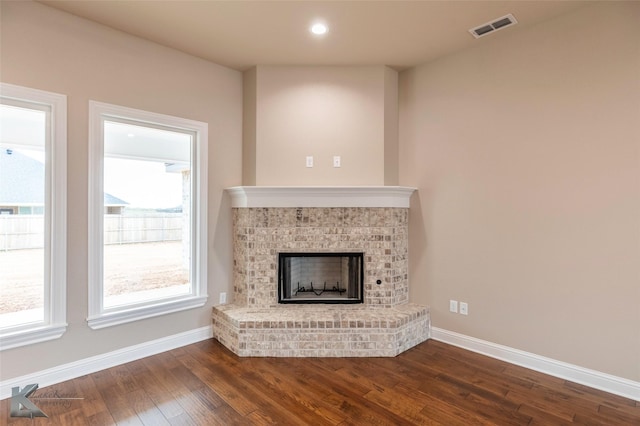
column 431, row 384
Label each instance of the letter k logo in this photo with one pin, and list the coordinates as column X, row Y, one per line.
column 20, row 404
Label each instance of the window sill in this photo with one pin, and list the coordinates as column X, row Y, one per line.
column 30, row 336
column 126, row 315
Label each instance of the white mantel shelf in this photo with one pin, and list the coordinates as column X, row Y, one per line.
column 320, row 196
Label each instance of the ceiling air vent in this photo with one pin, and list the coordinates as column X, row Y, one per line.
column 495, row 25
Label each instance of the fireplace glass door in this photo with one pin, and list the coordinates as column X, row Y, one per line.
column 320, row 277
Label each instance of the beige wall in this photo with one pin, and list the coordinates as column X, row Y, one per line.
column 525, row 151
column 249, row 137
column 50, row 50
column 319, row 112
column 391, row 165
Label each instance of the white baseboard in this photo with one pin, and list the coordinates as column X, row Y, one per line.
column 584, row 376
column 110, row 359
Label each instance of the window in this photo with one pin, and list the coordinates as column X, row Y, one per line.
column 147, row 214
column 32, row 215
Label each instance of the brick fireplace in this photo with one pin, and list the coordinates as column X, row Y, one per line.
column 268, row 221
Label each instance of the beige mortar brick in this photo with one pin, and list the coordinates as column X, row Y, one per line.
column 336, row 345
column 363, row 345
column 311, row 345
column 360, row 337
column 380, row 337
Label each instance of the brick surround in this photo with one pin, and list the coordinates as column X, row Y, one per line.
column 384, row 325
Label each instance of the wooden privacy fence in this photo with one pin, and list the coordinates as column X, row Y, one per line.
column 119, row 229
column 21, row 231
column 27, row 231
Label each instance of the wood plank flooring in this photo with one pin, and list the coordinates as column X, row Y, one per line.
column 431, row 384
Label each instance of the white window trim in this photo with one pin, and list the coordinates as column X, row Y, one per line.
column 55, row 310
column 99, row 317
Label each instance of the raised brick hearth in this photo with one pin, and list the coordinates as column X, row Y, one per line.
column 267, row 221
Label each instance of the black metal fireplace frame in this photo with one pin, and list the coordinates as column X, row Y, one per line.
column 282, row 256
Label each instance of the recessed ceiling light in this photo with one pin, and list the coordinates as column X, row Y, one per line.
column 319, row 28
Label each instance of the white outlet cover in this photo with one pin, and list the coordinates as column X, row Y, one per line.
column 453, row 306
column 464, row 308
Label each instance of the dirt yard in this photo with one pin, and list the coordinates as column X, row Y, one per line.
column 130, row 268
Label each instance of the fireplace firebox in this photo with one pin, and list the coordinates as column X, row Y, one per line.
column 320, row 277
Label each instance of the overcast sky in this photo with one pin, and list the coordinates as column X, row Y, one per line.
column 142, row 184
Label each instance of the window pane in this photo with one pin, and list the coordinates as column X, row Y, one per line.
column 22, row 221
column 147, row 199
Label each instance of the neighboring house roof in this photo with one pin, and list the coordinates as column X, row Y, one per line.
column 22, row 181
column 110, row 200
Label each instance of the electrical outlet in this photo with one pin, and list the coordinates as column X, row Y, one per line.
column 453, row 306
column 309, row 161
column 223, row 298
column 336, row 161
column 464, row 308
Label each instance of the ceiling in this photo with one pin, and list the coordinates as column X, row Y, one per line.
column 241, row 34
